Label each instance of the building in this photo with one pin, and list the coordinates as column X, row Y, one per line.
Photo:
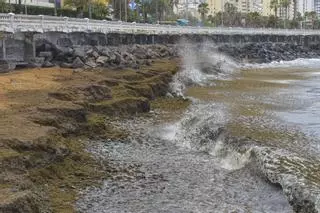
column 266, row 9
column 286, row 14
column 185, row 7
column 317, row 6
column 306, row 6
column 243, row 6
column 40, row 3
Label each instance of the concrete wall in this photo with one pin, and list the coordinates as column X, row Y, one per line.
column 21, row 47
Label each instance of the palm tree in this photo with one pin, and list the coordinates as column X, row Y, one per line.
column 274, row 5
column 311, row 15
column 203, row 9
column 285, row 4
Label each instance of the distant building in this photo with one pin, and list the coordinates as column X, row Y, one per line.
column 188, row 7
column 40, row 3
column 305, row 6
column 243, row 6
column 317, row 6
column 215, row 6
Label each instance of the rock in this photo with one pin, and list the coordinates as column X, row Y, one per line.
column 77, row 63
column 47, row 64
column 47, row 55
column 101, row 60
column 92, row 53
column 37, row 62
column 95, row 54
column 118, row 59
column 148, row 62
column 66, row 65
column 112, row 56
column 91, row 63
column 151, row 54
column 6, row 66
column 128, row 57
column 79, row 52
column 140, row 53
column 105, row 52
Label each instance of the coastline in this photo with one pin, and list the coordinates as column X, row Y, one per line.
column 48, row 117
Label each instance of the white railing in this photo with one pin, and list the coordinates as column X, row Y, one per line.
column 41, row 23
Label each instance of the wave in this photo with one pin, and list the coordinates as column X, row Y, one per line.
column 203, row 128
column 200, row 65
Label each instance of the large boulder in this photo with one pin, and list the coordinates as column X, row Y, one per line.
column 118, row 58
column 46, row 54
column 79, row 52
column 102, row 60
column 37, row 62
column 47, row 64
column 6, row 66
column 77, row 63
column 92, row 53
column 91, row 63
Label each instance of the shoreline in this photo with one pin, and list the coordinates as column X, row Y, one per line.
column 50, row 114
column 43, row 157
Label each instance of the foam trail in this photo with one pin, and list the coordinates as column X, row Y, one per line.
column 311, row 63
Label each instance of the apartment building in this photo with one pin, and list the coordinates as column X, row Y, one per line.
column 243, row 6
column 188, row 6
column 40, row 3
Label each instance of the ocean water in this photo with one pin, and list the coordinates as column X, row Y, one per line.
column 191, row 165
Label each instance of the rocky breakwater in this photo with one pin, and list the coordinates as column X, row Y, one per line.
column 47, row 118
column 266, row 52
column 86, row 56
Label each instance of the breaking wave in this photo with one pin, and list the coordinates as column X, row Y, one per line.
column 200, row 65
column 202, row 128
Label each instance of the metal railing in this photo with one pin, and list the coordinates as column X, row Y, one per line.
column 42, row 23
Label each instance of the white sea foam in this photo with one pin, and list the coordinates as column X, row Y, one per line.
column 298, row 63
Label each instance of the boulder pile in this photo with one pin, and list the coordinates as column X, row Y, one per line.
column 132, row 56
column 267, row 52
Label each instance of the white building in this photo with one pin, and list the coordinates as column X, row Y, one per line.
column 188, row 7
column 40, row 3
column 306, row 6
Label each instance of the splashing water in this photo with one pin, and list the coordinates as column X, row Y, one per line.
column 194, row 165
column 201, row 64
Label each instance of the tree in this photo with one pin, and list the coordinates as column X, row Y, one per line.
column 274, row 4
column 311, row 16
column 99, row 7
column 285, row 4
column 80, row 5
column 230, row 16
column 253, row 19
column 5, row 7
column 203, row 9
column 272, row 21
